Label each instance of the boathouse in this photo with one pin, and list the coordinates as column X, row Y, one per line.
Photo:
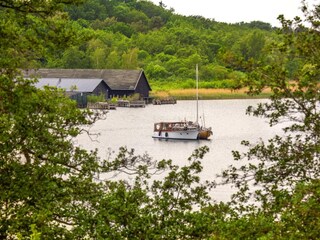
column 77, row 88
column 119, row 82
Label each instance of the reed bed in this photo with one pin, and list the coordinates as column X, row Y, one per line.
column 190, row 94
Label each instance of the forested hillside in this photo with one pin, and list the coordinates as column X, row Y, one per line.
column 136, row 34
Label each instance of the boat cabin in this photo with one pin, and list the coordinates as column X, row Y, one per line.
column 174, row 126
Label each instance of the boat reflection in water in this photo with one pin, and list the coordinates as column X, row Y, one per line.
column 184, row 130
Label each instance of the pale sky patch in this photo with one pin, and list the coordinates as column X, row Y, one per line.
column 234, row 11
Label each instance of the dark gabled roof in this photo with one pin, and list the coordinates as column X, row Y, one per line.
column 122, row 79
column 116, row 79
column 70, row 84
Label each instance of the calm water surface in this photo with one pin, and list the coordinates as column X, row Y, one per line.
column 133, row 128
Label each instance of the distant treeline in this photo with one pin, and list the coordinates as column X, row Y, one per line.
column 135, row 34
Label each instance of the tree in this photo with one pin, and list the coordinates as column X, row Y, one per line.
column 50, row 187
column 74, row 58
column 113, row 60
column 30, row 31
column 40, row 167
column 279, row 182
column 251, row 46
column 130, row 59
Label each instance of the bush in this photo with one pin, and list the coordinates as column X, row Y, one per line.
column 96, row 98
column 134, row 97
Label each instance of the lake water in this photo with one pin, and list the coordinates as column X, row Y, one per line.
column 133, row 128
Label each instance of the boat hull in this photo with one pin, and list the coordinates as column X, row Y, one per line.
column 182, row 135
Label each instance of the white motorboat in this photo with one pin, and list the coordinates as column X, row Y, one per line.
column 184, row 130
column 180, row 130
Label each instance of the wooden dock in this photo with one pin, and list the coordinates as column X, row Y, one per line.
column 137, row 104
column 113, row 106
column 164, row 101
column 127, row 103
column 123, row 103
column 101, row 105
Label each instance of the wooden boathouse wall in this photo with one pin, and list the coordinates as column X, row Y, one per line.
column 120, row 83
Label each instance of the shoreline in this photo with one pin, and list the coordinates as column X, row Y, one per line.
column 208, row 94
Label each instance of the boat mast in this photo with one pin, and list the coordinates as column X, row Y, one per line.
column 197, row 92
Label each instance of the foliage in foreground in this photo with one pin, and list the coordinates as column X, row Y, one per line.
column 279, row 180
column 53, row 189
column 50, row 185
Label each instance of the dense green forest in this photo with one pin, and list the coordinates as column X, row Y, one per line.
column 52, row 188
column 140, row 35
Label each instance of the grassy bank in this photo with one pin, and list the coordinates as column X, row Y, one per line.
column 190, row 94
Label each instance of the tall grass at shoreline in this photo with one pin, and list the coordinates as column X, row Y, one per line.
column 206, row 94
